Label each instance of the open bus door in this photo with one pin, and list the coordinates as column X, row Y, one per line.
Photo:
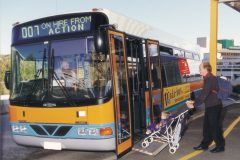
column 121, row 92
column 154, row 85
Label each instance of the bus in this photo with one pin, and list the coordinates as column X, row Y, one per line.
column 193, row 60
column 91, row 81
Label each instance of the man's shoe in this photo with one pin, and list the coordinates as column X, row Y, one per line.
column 217, row 149
column 200, row 147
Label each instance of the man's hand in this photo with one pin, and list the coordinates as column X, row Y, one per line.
column 190, row 104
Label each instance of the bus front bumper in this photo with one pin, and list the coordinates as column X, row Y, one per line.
column 74, row 144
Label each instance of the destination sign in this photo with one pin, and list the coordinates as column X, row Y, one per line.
column 62, row 26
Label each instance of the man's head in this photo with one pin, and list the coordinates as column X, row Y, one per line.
column 205, row 68
column 65, row 65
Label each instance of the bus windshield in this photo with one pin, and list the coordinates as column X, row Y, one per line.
column 73, row 73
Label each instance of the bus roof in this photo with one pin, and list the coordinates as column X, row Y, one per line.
column 138, row 28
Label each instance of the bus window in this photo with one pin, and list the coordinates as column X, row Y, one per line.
column 181, row 54
column 164, row 81
column 178, row 53
column 188, row 55
column 172, row 73
column 155, row 70
column 196, row 57
column 145, row 67
column 166, row 50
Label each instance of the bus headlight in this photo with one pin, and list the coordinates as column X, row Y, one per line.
column 19, row 128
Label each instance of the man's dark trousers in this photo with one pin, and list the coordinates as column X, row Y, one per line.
column 212, row 127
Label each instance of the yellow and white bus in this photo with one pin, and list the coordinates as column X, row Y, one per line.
column 80, row 81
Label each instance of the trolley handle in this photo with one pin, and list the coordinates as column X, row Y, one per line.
column 181, row 114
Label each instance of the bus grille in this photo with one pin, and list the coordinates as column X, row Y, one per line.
column 51, row 130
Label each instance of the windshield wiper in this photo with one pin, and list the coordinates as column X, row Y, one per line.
column 43, row 67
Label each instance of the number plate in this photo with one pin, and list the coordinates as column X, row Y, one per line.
column 52, row 145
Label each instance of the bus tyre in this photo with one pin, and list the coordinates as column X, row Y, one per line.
column 145, row 144
column 150, row 139
column 172, row 150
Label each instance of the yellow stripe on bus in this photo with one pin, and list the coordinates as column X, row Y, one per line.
column 95, row 114
column 175, row 94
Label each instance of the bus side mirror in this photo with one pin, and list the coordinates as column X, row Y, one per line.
column 100, row 41
column 7, row 79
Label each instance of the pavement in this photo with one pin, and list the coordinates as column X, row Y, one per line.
column 192, row 137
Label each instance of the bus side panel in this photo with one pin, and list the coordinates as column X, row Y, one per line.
column 156, row 95
column 195, row 88
column 175, row 96
column 196, row 85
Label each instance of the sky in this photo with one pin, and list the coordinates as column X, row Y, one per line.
column 187, row 19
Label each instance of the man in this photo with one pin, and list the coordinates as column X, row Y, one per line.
column 212, row 127
column 67, row 74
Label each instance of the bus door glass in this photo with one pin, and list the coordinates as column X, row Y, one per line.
column 154, row 79
column 121, row 91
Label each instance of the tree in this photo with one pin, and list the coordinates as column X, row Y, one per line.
column 4, row 66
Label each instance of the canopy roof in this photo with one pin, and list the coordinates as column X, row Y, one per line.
column 235, row 4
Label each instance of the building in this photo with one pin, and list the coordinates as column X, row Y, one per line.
column 202, row 42
column 226, row 43
column 228, row 64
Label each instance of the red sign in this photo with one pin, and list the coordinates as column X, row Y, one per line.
column 183, row 65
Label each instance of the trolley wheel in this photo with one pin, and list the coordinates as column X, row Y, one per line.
column 172, row 150
column 145, row 144
column 177, row 146
column 150, row 139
